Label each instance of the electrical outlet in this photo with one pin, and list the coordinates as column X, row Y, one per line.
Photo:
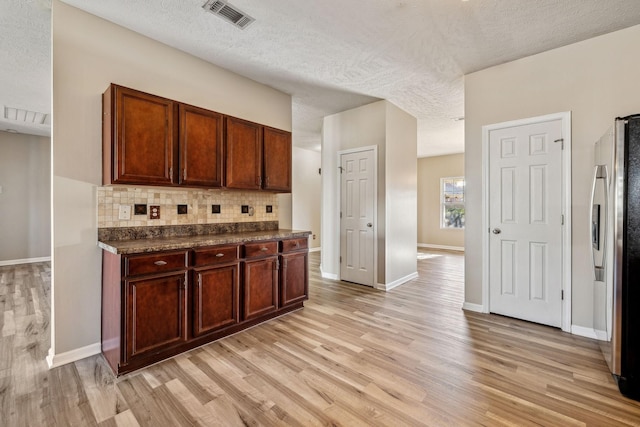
column 124, row 212
column 215, row 209
column 182, row 209
column 155, row 212
column 269, row 208
column 314, row 237
column 244, row 209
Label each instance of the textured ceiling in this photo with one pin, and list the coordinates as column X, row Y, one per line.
column 333, row 55
column 25, row 62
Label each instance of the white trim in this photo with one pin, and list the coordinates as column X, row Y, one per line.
column 315, row 249
column 443, row 247
column 468, row 306
column 24, row 261
column 443, row 203
column 565, row 117
column 396, row 283
column 373, row 148
column 583, row 332
column 329, row 276
column 601, row 335
column 56, row 360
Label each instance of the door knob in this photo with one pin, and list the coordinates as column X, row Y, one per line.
column 369, row 225
column 496, row 231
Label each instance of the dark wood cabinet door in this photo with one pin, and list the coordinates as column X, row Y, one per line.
column 277, row 160
column 243, row 151
column 201, row 143
column 144, row 149
column 294, row 279
column 155, row 317
column 260, row 287
column 215, row 298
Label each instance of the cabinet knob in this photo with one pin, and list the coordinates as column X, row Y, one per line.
column 160, row 263
column 219, row 255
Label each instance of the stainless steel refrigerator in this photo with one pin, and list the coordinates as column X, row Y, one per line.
column 615, row 243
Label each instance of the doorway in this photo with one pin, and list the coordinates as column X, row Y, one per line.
column 358, row 178
column 527, row 239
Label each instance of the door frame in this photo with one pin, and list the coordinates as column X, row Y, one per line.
column 566, row 207
column 373, row 148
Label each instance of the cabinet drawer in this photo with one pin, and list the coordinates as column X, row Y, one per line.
column 155, row 263
column 293, row 245
column 215, row 255
column 260, row 249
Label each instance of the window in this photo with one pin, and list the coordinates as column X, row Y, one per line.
column 452, row 202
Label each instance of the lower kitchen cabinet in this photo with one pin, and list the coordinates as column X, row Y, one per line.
column 155, row 314
column 215, row 298
column 260, row 287
column 158, row 304
column 294, row 278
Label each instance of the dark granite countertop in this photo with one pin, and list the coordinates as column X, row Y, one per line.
column 153, row 244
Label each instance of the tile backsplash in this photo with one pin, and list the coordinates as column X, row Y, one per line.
column 198, row 203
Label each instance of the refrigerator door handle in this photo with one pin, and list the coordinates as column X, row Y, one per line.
column 599, row 172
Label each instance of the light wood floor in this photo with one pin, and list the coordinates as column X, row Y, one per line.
column 353, row 356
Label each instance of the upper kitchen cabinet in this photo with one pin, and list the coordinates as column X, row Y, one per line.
column 150, row 140
column 201, row 136
column 257, row 157
column 138, row 138
column 277, row 160
column 243, row 154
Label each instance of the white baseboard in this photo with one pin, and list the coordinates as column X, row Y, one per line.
column 468, row 306
column 329, row 276
column 583, row 332
column 55, row 360
column 315, row 249
column 443, row 247
column 601, row 335
column 396, row 283
column 24, row 261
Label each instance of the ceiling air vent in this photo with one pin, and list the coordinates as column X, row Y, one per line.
column 229, row 13
column 26, row 116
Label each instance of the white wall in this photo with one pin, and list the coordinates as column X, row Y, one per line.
column 359, row 127
column 88, row 54
column 394, row 133
column 401, row 195
column 597, row 80
column 25, row 199
column 430, row 171
column 307, row 188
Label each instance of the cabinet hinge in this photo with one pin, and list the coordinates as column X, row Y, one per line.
column 561, row 141
column 340, row 259
column 341, row 215
column 562, row 221
column 562, row 295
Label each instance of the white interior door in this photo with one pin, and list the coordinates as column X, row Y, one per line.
column 357, row 217
column 525, row 221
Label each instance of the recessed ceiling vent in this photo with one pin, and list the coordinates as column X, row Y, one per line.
column 229, row 13
column 26, row 116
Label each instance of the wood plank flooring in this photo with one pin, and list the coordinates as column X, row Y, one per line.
column 353, row 357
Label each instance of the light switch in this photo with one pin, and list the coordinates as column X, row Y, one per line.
column 124, row 212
